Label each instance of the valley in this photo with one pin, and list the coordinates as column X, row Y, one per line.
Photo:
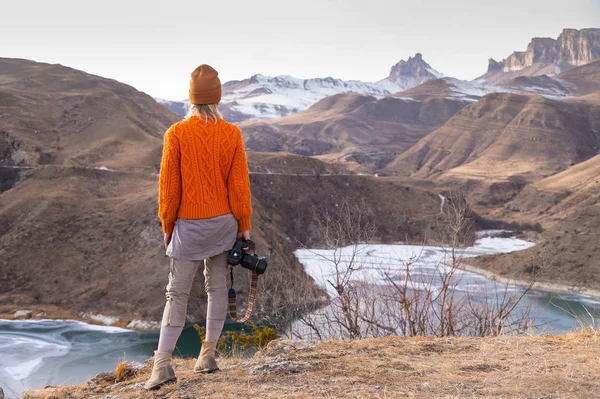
column 79, row 158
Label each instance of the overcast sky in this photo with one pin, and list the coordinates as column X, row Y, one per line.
column 155, row 45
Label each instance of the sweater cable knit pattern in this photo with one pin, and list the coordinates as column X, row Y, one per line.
column 203, row 173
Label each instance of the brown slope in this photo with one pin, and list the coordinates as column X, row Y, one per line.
column 544, row 85
column 568, row 207
column 290, row 164
column 85, row 240
column 432, row 88
column 560, row 197
column 505, row 135
column 501, row 77
column 577, row 82
column 586, row 78
column 401, row 213
column 360, row 132
column 52, row 114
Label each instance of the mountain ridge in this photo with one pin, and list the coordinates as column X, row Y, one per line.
column 547, row 56
column 265, row 97
column 534, row 135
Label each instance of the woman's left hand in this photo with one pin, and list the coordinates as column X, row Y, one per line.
column 167, row 239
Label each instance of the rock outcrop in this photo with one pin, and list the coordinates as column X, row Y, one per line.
column 579, row 47
column 548, row 56
column 494, row 66
column 413, row 72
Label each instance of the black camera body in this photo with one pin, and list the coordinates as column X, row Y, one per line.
column 238, row 256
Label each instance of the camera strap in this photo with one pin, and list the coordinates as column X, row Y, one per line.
column 251, row 297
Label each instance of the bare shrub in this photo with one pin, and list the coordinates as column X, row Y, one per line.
column 343, row 231
column 291, row 294
column 374, row 300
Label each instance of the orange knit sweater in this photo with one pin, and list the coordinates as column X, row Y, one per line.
column 203, row 173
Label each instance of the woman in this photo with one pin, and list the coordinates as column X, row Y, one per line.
column 204, row 205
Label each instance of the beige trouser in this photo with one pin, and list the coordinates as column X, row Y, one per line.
column 181, row 277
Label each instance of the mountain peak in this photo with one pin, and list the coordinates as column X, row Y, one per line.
column 414, row 68
column 494, row 65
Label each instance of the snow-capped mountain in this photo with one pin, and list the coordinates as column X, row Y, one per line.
column 264, row 97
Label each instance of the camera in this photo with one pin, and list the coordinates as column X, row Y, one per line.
column 238, row 256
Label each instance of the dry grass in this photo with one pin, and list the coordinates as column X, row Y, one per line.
column 558, row 366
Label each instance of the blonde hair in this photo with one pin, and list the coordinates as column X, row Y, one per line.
column 206, row 111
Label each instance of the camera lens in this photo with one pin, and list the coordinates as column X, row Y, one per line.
column 254, row 263
column 261, row 266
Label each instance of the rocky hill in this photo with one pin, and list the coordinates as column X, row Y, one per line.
column 507, row 135
column 545, row 85
column 361, row 133
column 586, row 79
column 567, row 205
column 389, row 367
column 547, row 56
column 264, row 97
column 51, row 114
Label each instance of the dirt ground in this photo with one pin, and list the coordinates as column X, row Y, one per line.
column 556, row 366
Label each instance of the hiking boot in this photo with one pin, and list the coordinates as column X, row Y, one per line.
column 206, row 362
column 162, row 372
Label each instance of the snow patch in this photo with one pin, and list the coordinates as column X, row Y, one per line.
column 491, row 233
column 23, row 313
column 435, row 73
column 106, row 320
column 143, row 325
column 557, row 70
column 442, row 202
column 471, row 91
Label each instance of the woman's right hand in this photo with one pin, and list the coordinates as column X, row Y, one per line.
column 243, row 235
column 167, row 239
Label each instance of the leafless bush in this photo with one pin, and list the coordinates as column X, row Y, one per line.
column 406, row 302
column 287, row 295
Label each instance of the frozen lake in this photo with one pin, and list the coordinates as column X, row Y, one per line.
column 36, row 353
column 428, row 265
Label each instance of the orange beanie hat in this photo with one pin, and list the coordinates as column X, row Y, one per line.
column 205, row 85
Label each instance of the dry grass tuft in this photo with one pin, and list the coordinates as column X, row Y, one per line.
column 124, row 372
